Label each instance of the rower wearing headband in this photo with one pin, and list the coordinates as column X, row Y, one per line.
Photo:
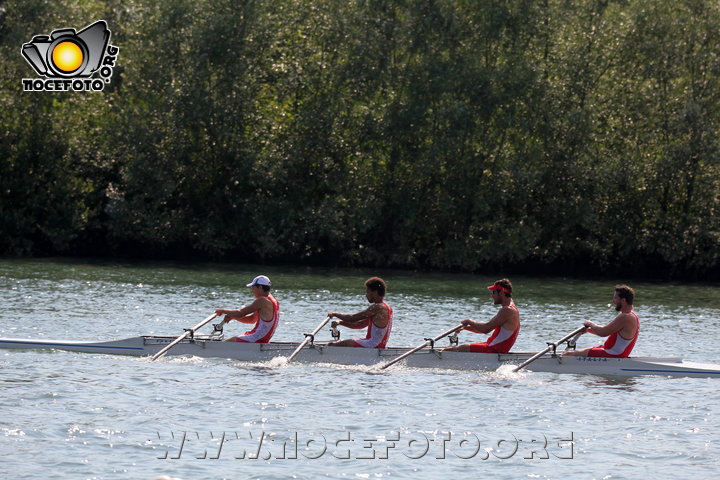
column 505, row 325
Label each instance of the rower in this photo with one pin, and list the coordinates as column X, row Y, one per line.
column 622, row 332
column 263, row 313
column 377, row 318
column 505, row 325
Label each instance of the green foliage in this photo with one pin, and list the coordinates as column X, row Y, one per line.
column 578, row 136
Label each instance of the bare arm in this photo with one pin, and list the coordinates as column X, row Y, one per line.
column 620, row 322
column 360, row 319
column 245, row 314
column 486, row 327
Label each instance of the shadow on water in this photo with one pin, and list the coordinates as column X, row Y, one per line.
column 602, row 381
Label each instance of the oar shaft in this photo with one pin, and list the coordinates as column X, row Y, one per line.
column 571, row 334
column 420, row 347
column 183, row 336
column 308, row 338
column 543, row 352
column 452, row 330
column 533, row 358
column 406, row 354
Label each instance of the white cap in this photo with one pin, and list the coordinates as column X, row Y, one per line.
column 259, row 280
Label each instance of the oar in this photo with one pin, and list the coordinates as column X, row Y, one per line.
column 188, row 332
column 549, row 347
column 308, row 337
column 428, row 341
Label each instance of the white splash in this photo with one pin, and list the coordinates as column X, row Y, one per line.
column 181, row 359
column 276, row 362
column 508, row 372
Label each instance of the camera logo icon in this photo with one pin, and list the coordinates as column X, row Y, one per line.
column 66, row 54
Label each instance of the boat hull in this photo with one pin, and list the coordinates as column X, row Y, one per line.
column 426, row 358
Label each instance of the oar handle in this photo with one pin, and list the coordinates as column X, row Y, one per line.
column 554, row 344
column 307, row 338
column 572, row 334
column 420, row 347
column 319, row 327
column 183, row 336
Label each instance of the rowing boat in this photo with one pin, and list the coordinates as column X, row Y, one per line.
column 209, row 346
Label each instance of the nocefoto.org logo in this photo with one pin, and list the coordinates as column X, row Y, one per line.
column 68, row 59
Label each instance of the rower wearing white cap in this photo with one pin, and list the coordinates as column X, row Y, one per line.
column 263, row 313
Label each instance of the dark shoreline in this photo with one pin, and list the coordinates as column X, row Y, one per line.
column 369, row 270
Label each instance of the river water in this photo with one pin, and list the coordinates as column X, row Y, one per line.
column 81, row 416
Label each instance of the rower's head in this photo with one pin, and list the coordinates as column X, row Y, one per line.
column 260, row 285
column 375, row 289
column 501, row 290
column 624, row 296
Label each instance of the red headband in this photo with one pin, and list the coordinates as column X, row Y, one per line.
column 506, row 290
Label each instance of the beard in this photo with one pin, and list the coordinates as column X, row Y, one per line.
column 618, row 307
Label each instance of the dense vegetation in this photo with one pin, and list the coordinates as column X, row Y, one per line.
column 446, row 134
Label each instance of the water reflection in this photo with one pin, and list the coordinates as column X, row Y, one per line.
column 602, row 381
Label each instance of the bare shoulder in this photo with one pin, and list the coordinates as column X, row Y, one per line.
column 377, row 309
column 626, row 318
column 509, row 311
column 508, row 317
column 262, row 302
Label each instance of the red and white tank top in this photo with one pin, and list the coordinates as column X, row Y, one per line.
column 263, row 330
column 503, row 339
column 376, row 337
column 617, row 345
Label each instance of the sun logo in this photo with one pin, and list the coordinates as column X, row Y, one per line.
column 67, row 57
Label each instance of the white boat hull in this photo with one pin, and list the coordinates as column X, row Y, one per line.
column 426, row 358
